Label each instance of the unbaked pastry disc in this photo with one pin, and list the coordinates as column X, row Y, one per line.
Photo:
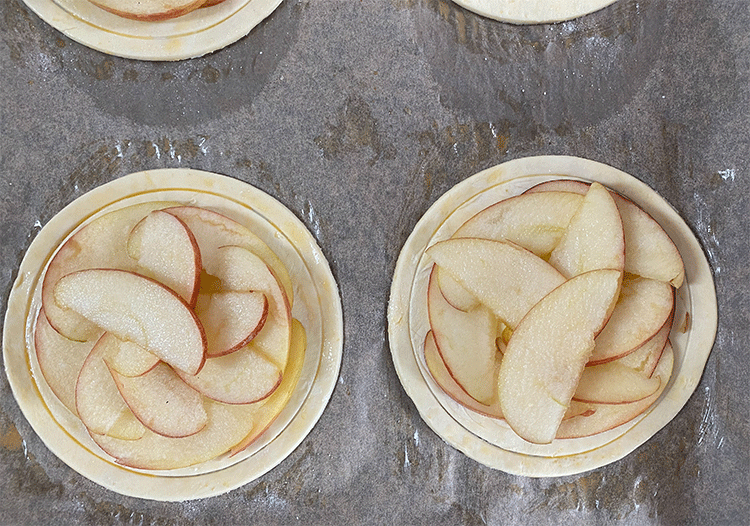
column 192, row 35
column 316, row 305
column 533, row 11
column 491, row 441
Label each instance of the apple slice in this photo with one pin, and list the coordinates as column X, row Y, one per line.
column 646, row 357
column 455, row 293
column 239, row 269
column 545, row 357
column 465, row 341
column 241, row 377
column 448, row 384
column 614, row 383
column 213, row 230
column 226, row 425
column 644, row 305
column 138, row 309
column 126, row 358
column 99, row 404
column 445, row 381
column 609, row 416
column 60, row 360
column 534, row 221
column 231, row 319
column 649, row 251
column 269, row 409
column 594, row 238
column 229, row 428
column 163, row 402
column 99, row 244
column 166, row 250
column 506, row 278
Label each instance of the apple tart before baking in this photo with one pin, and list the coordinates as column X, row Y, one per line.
column 167, row 330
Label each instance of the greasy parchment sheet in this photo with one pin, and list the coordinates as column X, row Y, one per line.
column 357, row 116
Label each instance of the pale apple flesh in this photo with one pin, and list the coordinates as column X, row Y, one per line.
column 535, row 222
column 545, row 357
column 226, row 426
column 166, row 250
column 614, row 383
column 592, row 358
column 149, row 10
column 604, row 417
column 649, row 251
column 242, row 377
column 134, row 361
column 504, row 277
column 465, row 341
column 99, row 244
column 594, row 238
column 99, row 404
column 645, row 358
column 230, row 428
column 448, row 384
column 126, row 358
column 445, row 381
column 60, row 360
column 162, row 402
column 239, row 269
column 455, row 293
column 644, row 305
column 137, row 309
column 213, row 230
column 231, row 319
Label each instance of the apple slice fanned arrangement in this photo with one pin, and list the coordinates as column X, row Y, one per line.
column 552, row 310
column 168, row 331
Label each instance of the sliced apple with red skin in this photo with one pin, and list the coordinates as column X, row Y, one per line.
column 614, row 383
column 99, row 244
column 163, row 402
column 99, row 404
column 649, row 251
column 269, row 409
column 60, row 360
column 545, row 357
column 535, row 221
column 126, row 358
column 448, row 384
column 455, row 293
column 231, row 319
column 138, row 309
column 594, row 237
column 504, row 277
column 242, row 377
column 445, row 381
column 213, row 230
column 465, row 341
column 646, row 357
column 609, row 416
column 644, row 305
column 226, row 425
column 166, row 250
column 239, row 269
column 229, row 428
